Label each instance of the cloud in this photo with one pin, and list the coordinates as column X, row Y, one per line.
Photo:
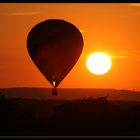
column 119, row 57
column 83, row 31
column 135, row 4
column 136, row 58
column 23, row 13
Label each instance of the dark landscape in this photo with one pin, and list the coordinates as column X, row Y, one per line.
column 86, row 116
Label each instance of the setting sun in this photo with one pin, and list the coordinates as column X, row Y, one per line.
column 98, row 63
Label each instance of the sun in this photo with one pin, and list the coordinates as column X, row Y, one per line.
column 98, row 63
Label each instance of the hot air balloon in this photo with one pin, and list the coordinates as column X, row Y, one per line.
column 54, row 46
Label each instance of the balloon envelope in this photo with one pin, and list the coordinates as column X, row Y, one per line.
column 54, row 46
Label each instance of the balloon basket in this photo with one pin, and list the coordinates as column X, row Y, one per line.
column 54, row 92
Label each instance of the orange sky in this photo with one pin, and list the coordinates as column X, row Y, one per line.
column 112, row 28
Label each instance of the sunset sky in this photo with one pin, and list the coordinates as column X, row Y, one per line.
column 110, row 28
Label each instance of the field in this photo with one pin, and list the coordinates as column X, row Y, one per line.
column 91, row 116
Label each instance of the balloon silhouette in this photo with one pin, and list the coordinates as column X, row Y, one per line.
column 54, row 46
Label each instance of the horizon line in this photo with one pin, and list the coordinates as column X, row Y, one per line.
column 70, row 88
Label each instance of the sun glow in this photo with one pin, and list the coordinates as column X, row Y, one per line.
column 98, row 63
